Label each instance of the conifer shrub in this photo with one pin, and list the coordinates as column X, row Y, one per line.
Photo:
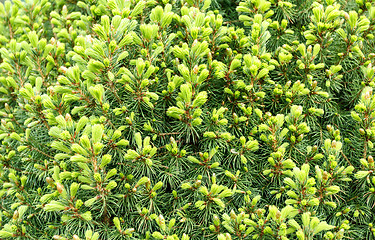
column 177, row 120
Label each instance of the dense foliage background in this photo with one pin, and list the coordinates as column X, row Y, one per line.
column 174, row 119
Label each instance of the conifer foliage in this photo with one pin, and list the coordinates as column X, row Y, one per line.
column 183, row 119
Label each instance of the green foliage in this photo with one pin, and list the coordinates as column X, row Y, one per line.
column 197, row 119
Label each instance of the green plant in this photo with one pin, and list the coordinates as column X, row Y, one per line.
column 186, row 120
